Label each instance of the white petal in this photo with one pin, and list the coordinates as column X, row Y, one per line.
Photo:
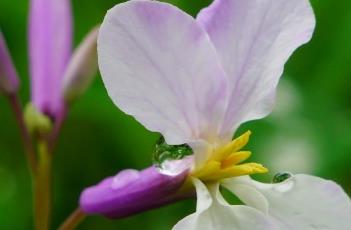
column 213, row 213
column 159, row 66
column 302, row 202
column 204, row 198
column 250, row 196
column 254, row 39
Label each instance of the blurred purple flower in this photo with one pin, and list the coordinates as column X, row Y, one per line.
column 50, row 47
column 51, row 60
column 81, row 68
column 8, row 75
column 54, row 71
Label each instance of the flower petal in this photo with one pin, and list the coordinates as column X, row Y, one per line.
column 8, row 75
column 81, row 69
column 254, row 39
column 159, row 66
column 302, row 202
column 50, row 35
column 213, row 212
column 131, row 192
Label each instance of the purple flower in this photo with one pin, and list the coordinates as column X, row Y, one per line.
column 195, row 81
column 131, row 191
column 81, row 68
column 8, row 75
column 51, row 60
column 50, row 42
column 57, row 76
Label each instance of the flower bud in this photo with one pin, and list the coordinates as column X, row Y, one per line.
column 81, row 69
column 131, row 192
column 8, row 75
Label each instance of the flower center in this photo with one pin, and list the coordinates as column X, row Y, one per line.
column 225, row 162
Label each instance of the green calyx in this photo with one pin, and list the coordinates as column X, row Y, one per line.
column 36, row 122
column 164, row 152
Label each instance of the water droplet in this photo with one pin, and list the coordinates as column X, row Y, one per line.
column 284, row 182
column 175, row 167
column 285, row 186
column 281, row 176
column 169, row 158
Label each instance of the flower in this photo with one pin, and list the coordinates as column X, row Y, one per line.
column 131, row 192
column 50, row 41
column 8, row 74
column 81, row 68
column 300, row 202
column 57, row 76
column 50, row 51
column 195, row 81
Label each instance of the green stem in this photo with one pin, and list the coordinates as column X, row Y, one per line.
column 26, row 138
column 73, row 220
column 42, row 188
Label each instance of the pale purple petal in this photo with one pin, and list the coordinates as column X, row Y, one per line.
column 81, row 68
column 254, row 39
column 8, row 75
column 159, row 66
column 213, row 212
column 302, row 202
column 50, row 35
column 131, row 192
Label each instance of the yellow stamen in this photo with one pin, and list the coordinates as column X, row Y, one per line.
column 244, row 169
column 212, row 167
column 235, row 158
column 233, row 146
column 225, row 162
column 237, row 170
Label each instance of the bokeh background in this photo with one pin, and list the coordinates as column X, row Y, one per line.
column 309, row 131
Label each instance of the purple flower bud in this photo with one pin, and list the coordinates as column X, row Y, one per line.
column 131, row 192
column 50, row 35
column 8, row 75
column 81, row 68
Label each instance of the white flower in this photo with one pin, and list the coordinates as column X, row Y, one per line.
column 301, row 202
column 195, row 81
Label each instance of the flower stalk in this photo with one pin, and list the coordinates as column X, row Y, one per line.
column 42, row 188
column 73, row 220
column 54, row 135
column 26, row 138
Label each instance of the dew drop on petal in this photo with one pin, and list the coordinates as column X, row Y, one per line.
column 175, row 167
column 281, row 176
column 172, row 159
column 285, row 186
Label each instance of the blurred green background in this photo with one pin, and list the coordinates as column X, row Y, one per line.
column 309, row 131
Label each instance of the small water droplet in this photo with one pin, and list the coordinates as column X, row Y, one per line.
column 281, row 176
column 169, row 159
column 284, row 182
column 175, row 167
column 285, row 186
